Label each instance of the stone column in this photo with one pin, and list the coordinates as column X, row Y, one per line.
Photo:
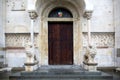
column 89, row 62
column 33, row 15
column 31, row 63
column 88, row 15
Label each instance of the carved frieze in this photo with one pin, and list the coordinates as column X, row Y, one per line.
column 19, row 40
column 100, row 39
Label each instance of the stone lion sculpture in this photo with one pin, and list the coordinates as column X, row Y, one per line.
column 31, row 57
column 90, row 54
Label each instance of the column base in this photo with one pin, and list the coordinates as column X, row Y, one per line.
column 31, row 66
column 90, row 66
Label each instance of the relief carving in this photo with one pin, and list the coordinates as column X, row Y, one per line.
column 19, row 40
column 100, row 39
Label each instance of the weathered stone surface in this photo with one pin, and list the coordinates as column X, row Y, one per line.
column 15, row 58
column 2, row 37
column 1, row 25
column 102, row 18
column 117, row 28
column 105, row 18
column 61, row 74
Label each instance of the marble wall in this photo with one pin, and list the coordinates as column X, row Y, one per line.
column 102, row 27
column 1, row 24
column 102, row 17
column 117, row 28
column 2, row 37
column 15, row 57
column 17, row 17
column 18, row 22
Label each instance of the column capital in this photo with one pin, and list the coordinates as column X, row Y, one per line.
column 88, row 14
column 33, row 14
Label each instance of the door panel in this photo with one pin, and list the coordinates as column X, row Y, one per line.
column 60, row 42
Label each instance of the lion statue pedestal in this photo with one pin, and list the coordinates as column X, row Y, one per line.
column 89, row 63
column 31, row 63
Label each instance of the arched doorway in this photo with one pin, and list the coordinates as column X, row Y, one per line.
column 60, row 38
column 73, row 18
column 78, row 9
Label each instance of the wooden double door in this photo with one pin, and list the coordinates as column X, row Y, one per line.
column 60, row 43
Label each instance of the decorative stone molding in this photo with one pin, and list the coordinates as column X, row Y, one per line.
column 33, row 14
column 18, row 40
column 101, row 40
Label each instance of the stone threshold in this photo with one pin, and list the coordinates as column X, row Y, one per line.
column 60, row 67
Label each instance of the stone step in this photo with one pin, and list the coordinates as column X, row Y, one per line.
column 59, row 73
column 61, row 67
column 60, row 76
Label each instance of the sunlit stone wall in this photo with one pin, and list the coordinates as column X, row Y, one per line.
column 102, row 17
column 117, row 29
column 2, row 37
column 104, row 34
column 1, row 25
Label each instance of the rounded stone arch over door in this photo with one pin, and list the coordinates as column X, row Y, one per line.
column 43, row 35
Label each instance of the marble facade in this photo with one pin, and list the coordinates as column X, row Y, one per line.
column 104, row 29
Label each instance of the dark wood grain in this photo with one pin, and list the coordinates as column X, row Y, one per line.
column 60, row 43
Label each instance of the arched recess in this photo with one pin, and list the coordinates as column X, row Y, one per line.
column 60, row 13
column 44, row 11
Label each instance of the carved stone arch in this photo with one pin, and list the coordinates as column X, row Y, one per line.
column 82, row 6
column 47, row 7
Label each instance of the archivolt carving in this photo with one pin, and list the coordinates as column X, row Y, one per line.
column 100, row 39
column 18, row 40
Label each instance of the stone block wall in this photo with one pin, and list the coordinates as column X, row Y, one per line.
column 117, row 29
column 15, row 57
column 17, row 17
column 2, row 37
column 17, row 31
column 1, row 25
column 102, row 17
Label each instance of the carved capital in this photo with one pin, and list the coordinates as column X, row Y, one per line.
column 88, row 14
column 33, row 15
